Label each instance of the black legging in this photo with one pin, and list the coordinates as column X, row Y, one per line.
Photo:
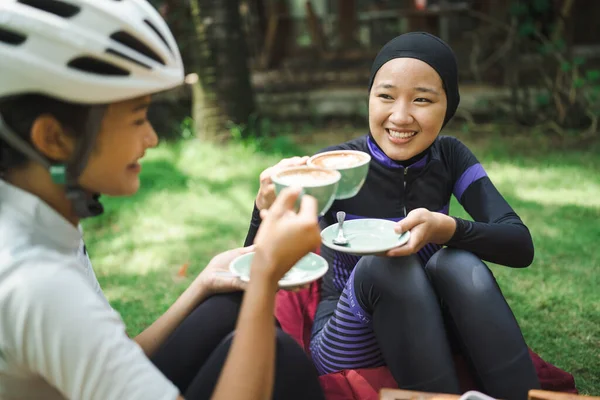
column 194, row 355
column 414, row 332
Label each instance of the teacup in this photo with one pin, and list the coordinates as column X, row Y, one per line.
column 320, row 183
column 353, row 166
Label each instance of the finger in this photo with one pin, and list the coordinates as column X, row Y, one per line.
column 398, row 252
column 234, row 284
column 414, row 244
column 247, row 249
column 308, row 207
column 402, row 251
column 265, row 176
column 285, row 201
column 407, row 223
column 267, row 191
column 270, row 190
column 301, row 160
column 241, row 284
column 264, row 213
column 286, row 162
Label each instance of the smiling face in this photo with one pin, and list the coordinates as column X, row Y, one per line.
column 407, row 106
column 113, row 168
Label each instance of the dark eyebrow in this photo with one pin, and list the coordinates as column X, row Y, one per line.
column 426, row 90
column 386, row 86
column 141, row 106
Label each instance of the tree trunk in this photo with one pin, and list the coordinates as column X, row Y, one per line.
column 222, row 93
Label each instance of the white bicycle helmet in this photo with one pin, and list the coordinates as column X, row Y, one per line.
column 92, row 52
column 86, row 51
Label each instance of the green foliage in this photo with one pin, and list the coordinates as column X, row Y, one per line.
column 564, row 94
column 543, row 99
column 187, row 128
column 261, row 134
column 526, row 29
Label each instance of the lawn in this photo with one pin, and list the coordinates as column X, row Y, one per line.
column 196, row 201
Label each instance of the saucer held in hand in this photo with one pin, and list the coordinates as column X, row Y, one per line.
column 310, row 268
column 365, row 237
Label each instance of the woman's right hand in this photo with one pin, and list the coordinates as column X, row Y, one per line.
column 285, row 236
column 266, row 192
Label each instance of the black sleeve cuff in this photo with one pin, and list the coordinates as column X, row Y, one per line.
column 256, row 220
column 254, row 225
column 462, row 226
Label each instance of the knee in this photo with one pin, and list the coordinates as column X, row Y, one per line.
column 229, row 301
column 460, row 269
column 398, row 275
column 223, row 309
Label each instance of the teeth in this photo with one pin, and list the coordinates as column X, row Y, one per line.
column 401, row 135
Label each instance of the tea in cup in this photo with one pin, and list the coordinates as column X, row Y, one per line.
column 320, row 183
column 353, row 166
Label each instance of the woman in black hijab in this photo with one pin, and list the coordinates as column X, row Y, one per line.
column 433, row 296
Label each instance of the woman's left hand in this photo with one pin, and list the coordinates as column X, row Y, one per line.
column 216, row 277
column 425, row 227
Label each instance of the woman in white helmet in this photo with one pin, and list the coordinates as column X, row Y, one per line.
column 76, row 78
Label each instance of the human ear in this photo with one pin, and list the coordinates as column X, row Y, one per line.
column 50, row 139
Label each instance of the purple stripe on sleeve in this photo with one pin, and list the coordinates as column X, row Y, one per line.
column 357, row 342
column 354, row 359
column 354, row 331
column 374, row 348
column 473, row 173
column 371, row 362
column 344, row 324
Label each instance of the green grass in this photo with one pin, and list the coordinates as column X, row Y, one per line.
column 196, row 201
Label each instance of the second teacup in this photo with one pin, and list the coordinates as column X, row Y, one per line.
column 353, row 166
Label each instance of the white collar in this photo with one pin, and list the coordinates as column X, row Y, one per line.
column 42, row 218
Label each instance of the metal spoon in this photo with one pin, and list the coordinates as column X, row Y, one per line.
column 340, row 240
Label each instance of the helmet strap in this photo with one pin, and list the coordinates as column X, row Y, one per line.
column 85, row 204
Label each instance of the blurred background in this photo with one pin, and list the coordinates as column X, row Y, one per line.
column 535, row 63
column 268, row 79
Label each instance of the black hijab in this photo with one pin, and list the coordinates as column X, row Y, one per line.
column 427, row 48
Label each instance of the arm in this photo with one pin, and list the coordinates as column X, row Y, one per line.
column 156, row 334
column 497, row 234
column 283, row 239
column 250, row 369
column 210, row 281
column 266, row 192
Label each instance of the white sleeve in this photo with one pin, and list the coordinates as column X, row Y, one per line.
column 65, row 333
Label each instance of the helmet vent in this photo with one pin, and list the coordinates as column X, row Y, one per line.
column 56, row 7
column 151, row 25
column 11, row 37
column 95, row 66
column 126, row 57
column 127, row 40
